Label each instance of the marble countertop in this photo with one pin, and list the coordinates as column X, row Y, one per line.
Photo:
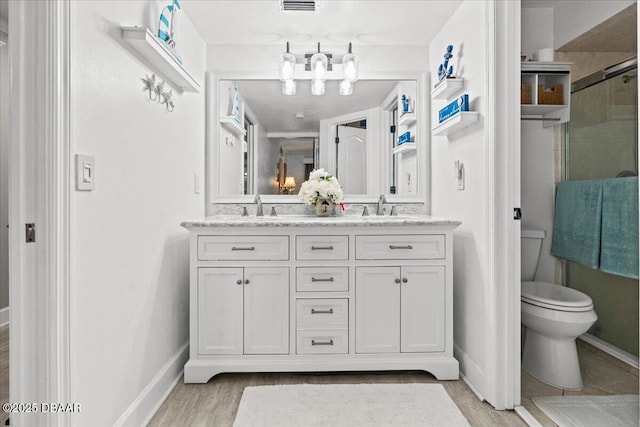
column 311, row 220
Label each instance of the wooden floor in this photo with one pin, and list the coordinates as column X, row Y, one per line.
column 216, row 403
column 602, row 374
column 4, row 370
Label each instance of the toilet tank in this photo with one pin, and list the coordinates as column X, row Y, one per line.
column 531, row 240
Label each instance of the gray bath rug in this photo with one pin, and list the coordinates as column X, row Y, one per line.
column 348, row 405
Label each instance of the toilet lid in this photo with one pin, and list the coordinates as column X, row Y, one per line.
column 555, row 297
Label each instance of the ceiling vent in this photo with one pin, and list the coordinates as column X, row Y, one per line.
column 299, row 5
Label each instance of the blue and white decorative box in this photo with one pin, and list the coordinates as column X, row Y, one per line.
column 404, row 138
column 460, row 104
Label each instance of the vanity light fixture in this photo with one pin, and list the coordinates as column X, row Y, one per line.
column 318, row 63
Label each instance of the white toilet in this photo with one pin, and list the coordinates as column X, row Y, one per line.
column 553, row 317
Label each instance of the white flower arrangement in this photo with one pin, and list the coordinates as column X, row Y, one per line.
column 320, row 185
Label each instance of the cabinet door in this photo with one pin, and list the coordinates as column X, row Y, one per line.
column 422, row 309
column 266, row 310
column 377, row 310
column 220, row 310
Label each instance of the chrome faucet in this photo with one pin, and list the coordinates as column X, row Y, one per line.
column 258, row 201
column 381, row 201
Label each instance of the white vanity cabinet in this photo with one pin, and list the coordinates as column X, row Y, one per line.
column 320, row 294
column 243, row 310
column 400, row 309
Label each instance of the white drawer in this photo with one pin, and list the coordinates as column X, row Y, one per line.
column 419, row 246
column 322, row 279
column 322, row 247
column 253, row 248
column 315, row 313
column 322, row 342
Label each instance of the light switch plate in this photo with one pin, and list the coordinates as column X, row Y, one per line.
column 196, row 184
column 85, row 172
column 459, row 171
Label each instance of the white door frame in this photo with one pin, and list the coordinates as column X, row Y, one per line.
column 503, row 177
column 39, row 192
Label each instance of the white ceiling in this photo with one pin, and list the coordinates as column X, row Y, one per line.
column 379, row 22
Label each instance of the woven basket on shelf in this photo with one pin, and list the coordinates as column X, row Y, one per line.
column 525, row 93
column 550, row 94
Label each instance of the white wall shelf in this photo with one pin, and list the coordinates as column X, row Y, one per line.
column 456, row 123
column 535, row 110
column 447, row 87
column 407, row 119
column 160, row 57
column 232, row 126
column 406, row 147
column 537, row 75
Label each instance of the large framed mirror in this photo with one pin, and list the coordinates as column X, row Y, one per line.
column 260, row 141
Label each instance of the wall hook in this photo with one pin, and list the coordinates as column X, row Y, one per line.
column 151, row 86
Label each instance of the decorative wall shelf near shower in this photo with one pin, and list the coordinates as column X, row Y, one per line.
column 159, row 56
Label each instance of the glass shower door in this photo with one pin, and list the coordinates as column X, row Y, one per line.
column 602, row 143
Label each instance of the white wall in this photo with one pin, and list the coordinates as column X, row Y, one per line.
column 537, row 30
column 4, row 172
column 129, row 289
column 466, row 32
column 538, row 189
column 263, row 59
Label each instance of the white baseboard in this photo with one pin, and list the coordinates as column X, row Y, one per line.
column 470, row 372
column 611, row 349
column 4, row 316
column 143, row 408
column 526, row 416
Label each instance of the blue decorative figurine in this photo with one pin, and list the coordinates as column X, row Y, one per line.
column 167, row 25
column 445, row 70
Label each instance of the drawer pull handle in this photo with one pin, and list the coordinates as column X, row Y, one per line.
column 321, row 248
column 400, row 247
column 397, row 280
column 405, row 280
column 314, row 342
column 236, row 248
column 314, row 311
column 330, row 279
column 239, row 282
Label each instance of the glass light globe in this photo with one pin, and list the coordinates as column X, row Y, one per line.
column 317, row 87
column 346, row 87
column 287, row 66
column 319, row 63
column 289, row 87
column 350, row 67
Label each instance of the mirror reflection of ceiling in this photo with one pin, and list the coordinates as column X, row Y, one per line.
column 277, row 112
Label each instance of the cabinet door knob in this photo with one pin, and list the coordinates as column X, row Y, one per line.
column 405, row 280
column 397, row 280
column 239, row 282
column 246, row 282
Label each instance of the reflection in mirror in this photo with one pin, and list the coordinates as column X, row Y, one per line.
column 274, row 141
